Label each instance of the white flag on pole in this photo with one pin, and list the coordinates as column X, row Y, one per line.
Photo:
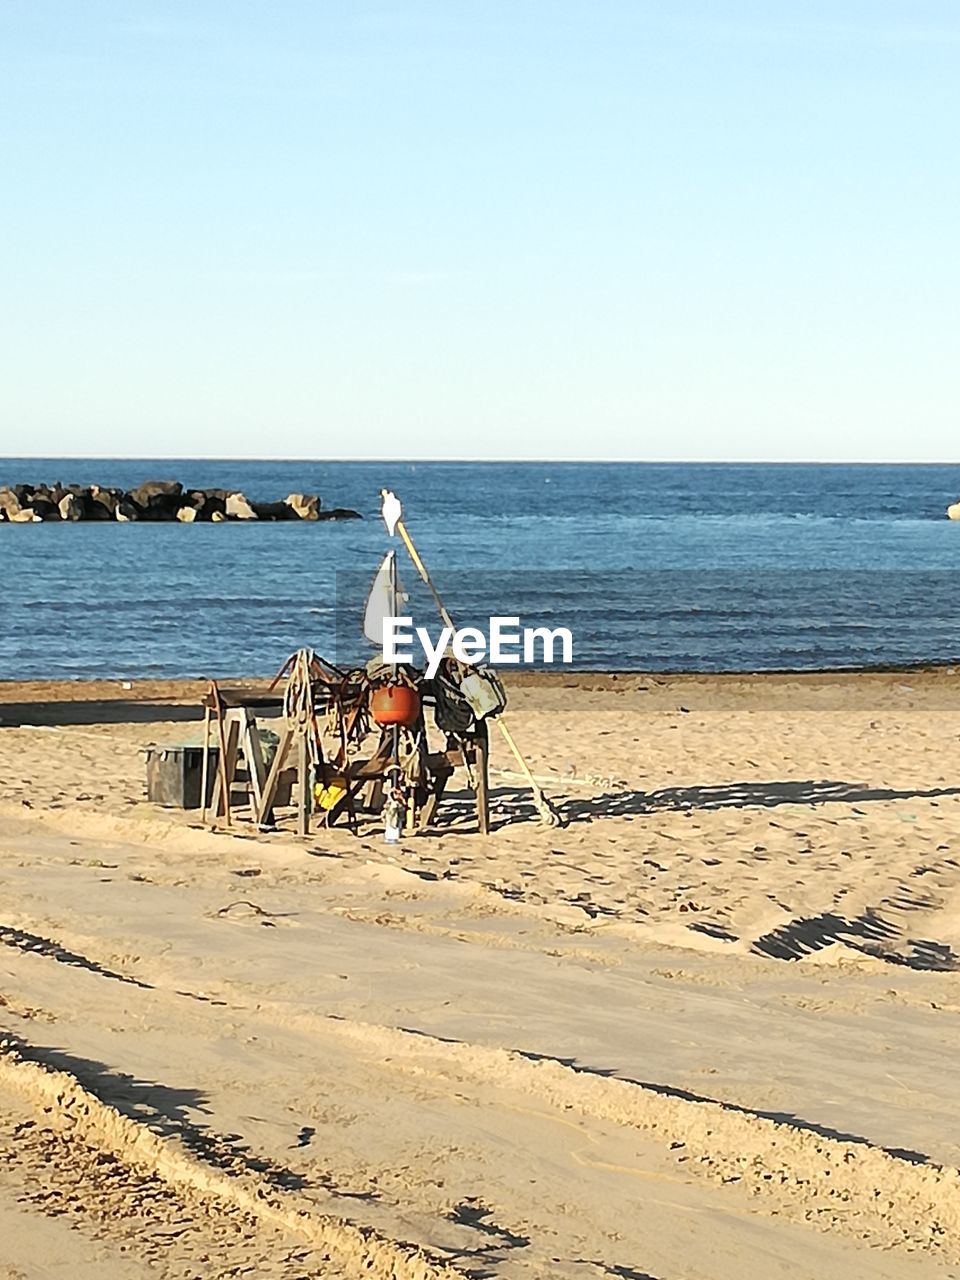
column 386, row 596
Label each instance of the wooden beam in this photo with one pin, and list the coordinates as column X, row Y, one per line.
column 481, row 767
column 253, row 754
column 432, row 802
column 303, row 783
column 230, row 739
column 269, row 793
column 205, row 770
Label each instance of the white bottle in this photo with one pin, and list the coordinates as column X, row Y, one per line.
column 392, row 820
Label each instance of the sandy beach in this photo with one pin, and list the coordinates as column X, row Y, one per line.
column 703, row 1031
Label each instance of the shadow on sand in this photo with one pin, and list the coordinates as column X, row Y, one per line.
column 513, row 804
column 163, row 1110
column 867, row 933
column 738, row 795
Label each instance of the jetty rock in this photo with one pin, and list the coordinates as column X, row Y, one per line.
column 144, row 493
column 275, row 511
column 154, row 501
column 238, row 508
column 339, row 513
column 304, row 505
column 103, row 503
column 9, row 504
column 953, row 512
column 70, row 506
column 127, row 510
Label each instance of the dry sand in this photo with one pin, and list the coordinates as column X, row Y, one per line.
column 706, row 1030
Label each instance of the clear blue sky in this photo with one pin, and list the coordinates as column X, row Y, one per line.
column 717, row 229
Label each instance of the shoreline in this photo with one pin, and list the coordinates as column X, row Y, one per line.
column 180, row 690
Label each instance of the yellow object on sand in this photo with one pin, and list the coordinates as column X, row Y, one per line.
column 329, row 795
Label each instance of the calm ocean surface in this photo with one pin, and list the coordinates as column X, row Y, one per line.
column 651, row 566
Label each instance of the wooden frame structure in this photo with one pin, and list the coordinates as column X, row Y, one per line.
column 244, row 779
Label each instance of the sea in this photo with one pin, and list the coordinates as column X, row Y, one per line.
column 650, row 566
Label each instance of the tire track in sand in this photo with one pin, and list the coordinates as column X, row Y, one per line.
column 832, row 1184
column 73, row 1155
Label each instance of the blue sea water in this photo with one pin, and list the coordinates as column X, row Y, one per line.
column 651, row 566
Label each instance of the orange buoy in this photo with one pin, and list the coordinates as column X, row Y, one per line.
column 395, row 704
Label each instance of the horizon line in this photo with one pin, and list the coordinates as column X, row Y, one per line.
column 564, row 461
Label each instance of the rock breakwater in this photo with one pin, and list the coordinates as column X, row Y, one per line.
column 154, row 500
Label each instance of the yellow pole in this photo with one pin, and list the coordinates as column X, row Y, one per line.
column 421, row 568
